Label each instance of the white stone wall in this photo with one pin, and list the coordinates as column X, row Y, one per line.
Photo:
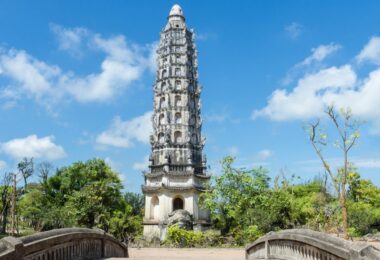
column 165, row 198
column 152, row 231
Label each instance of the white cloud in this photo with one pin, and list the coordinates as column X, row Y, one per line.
column 141, row 166
column 264, row 154
column 3, row 165
column 152, row 58
column 32, row 146
column 321, row 52
column 371, row 52
column 119, row 69
column 293, row 30
column 337, row 162
column 69, row 39
column 310, row 95
column 367, row 163
column 30, row 75
column 312, row 62
column 124, row 133
column 339, row 86
column 123, row 64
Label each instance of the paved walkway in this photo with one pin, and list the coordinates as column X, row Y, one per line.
column 190, row 253
column 185, row 253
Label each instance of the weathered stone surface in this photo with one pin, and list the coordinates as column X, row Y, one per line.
column 181, row 218
column 372, row 237
column 66, row 243
column 177, row 165
column 308, row 244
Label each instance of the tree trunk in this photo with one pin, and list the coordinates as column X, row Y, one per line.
column 343, row 204
column 13, row 211
column 4, row 218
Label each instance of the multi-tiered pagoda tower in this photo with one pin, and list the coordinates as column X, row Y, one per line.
column 177, row 166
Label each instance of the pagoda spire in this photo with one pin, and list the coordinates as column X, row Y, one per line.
column 176, row 13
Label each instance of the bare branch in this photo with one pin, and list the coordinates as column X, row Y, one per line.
column 352, row 143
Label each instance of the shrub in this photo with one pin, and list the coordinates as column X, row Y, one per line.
column 179, row 237
column 247, row 235
column 212, row 238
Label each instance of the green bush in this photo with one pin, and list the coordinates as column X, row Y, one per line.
column 179, row 237
column 364, row 218
column 246, row 235
column 212, row 238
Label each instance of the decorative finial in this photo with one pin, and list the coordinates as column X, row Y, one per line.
column 176, row 13
column 176, row 10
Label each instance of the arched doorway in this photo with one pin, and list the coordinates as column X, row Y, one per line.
column 154, row 207
column 177, row 137
column 177, row 203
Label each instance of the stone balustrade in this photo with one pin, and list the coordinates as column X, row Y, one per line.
column 63, row 244
column 306, row 244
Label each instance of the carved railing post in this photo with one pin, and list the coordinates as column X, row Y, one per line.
column 18, row 247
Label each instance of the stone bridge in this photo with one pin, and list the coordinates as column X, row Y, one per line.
column 298, row 244
column 63, row 244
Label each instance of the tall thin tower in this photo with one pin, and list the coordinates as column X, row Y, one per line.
column 177, row 165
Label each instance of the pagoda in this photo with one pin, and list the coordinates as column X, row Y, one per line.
column 177, row 166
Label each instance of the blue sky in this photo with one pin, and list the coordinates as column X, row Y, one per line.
column 76, row 80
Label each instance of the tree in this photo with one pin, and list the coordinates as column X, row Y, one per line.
column 33, row 207
column 348, row 133
column 26, row 168
column 124, row 225
column 136, row 201
column 44, row 170
column 5, row 192
column 88, row 190
column 235, row 197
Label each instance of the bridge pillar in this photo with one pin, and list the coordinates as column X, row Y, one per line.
column 17, row 244
column 267, row 249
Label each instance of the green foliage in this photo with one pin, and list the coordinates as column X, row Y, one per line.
column 364, row 205
column 85, row 194
column 243, row 205
column 124, row 225
column 136, row 201
column 312, row 206
column 179, row 237
column 234, row 195
column 248, row 234
column 212, row 238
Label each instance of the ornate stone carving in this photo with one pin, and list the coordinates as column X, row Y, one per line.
column 181, row 218
column 176, row 143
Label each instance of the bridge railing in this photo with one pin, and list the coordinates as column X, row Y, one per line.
column 307, row 244
column 62, row 244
